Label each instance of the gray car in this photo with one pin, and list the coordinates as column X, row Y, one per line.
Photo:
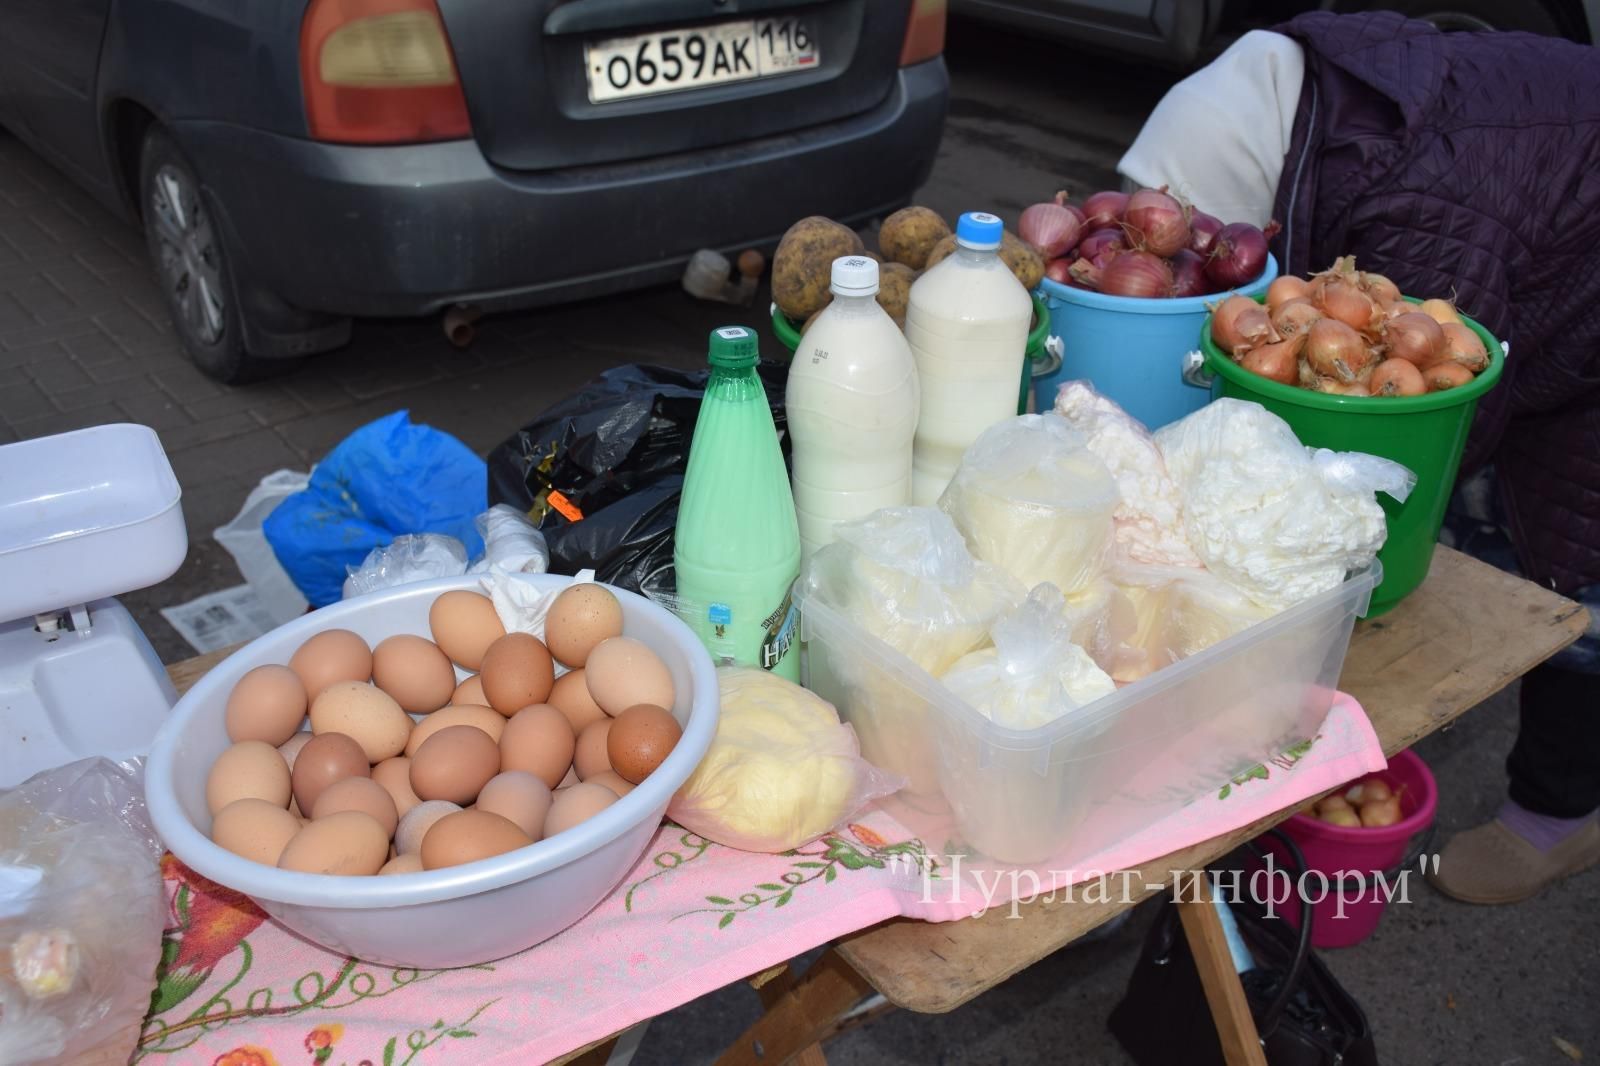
column 1183, row 31
column 298, row 163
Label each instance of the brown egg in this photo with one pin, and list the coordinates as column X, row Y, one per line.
column 612, row 780
column 254, row 829
column 470, row 691
column 623, row 672
column 268, row 704
column 580, row 618
column 520, row 798
column 453, row 764
column 250, row 770
column 464, row 624
column 570, row 696
column 325, row 759
column 402, row 864
column 364, row 713
column 395, row 776
column 345, row 842
column 414, row 671
column 589, row 757
column 484, row 718
column 468, row 836
column 358, row 794
column 640, row 738
column 330, row 656
column 415, row 825
column 517, row 670
column 539, row 740
column 576, row 804
column 290, row 748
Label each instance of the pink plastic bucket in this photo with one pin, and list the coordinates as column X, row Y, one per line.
column 1358, row 855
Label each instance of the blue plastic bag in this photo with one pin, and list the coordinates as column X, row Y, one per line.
column 387, row 478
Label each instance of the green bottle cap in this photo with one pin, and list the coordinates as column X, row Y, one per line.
column 733, row 347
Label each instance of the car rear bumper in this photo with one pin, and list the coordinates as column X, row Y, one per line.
column 408, row 230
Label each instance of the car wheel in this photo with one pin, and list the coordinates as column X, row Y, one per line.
column 191, row 265
column 1476, row 15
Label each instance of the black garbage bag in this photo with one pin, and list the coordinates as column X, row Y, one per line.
column 600, row 472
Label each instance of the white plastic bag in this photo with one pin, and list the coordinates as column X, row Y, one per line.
column 1031, row 498
column 1034, row 674
column 511, row 542
column 904, row 575
column 408, row 558
column 248, row 545
column 1279, row 521
column 781, row 770
column 1148, row 520
column 81, row 912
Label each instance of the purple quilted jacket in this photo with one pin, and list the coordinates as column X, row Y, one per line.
column 1470, row 164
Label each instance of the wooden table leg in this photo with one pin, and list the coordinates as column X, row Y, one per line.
column 1230, row 1010
column 798, row 1014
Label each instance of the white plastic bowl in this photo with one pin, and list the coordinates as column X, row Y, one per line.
column 463, row 914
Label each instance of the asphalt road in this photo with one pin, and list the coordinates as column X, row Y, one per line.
column 83, row 340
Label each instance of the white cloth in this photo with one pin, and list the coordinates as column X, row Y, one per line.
column 1219, row 137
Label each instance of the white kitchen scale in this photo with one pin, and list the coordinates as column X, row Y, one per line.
column 83, row 516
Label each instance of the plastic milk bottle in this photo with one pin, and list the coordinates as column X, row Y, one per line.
column 967, row 324
column 852, row 408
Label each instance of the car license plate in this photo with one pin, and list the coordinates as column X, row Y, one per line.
column 673, row 60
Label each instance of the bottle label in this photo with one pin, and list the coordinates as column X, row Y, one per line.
column 781, row 626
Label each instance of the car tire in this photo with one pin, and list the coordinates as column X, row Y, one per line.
column 192, row 267
column 1527, row 15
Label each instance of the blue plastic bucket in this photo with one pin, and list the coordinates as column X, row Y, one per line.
column 1132, row 349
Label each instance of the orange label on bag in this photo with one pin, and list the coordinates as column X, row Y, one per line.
column 564, row 507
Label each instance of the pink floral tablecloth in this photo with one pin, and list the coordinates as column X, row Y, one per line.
column 236, row 989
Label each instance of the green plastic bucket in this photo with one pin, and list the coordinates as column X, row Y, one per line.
column 1041, row 362
column 1426, row 433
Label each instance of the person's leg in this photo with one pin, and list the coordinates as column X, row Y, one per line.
column 1555, row 765
column 1547, row 830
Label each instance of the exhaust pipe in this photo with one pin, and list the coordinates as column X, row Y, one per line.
column 460, row 324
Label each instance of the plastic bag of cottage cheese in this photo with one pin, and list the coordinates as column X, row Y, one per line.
column 1277, row 520
column 1148, row 520
column 1031, row 498
column 1034, row 674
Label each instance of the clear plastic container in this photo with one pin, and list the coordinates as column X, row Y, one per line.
column 1112, row 768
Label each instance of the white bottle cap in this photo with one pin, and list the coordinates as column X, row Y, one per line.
column 855, row 275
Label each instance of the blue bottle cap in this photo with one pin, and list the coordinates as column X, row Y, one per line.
column 980, row 231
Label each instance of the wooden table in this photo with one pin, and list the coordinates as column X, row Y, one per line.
column 1468, row 632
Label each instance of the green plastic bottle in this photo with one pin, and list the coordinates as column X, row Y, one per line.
column 738, row 545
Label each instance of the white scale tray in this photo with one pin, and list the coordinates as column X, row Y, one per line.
column 83, row 516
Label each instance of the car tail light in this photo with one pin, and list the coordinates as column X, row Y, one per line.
column 924, row 32
column 380, row 72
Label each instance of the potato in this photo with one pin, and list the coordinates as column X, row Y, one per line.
column 939, row 251
column 1023, row 259
column 803, row 265
column 894, row 290
column 910, row 234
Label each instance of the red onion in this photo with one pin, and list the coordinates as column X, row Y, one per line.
column 1101, row 241
column 1104, row 209
column 1051, row 228
column 1141, row 274
column 1059, row 271
column 1156, row 222
column 1189, row 274
column 1203, row 230
column 1239, row 255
